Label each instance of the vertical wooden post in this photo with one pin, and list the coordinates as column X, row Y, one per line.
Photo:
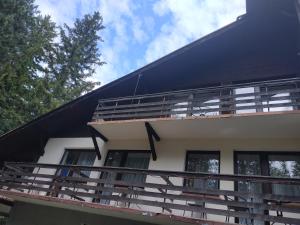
column 224, row 106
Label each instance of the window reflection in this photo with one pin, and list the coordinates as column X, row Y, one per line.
column 285, row 166
column 204, row 163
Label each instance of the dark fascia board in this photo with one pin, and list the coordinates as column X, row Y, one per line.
column 147, row 67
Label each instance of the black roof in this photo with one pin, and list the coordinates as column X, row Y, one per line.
column 260, row 45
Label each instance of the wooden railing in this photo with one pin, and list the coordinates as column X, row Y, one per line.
column 163, row 191
column 275, row 95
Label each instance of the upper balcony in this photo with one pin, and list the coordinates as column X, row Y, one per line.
column 228, row 111
column 267, row 96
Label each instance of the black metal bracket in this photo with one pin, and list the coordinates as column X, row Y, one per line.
column 94, row 134
column 152, row 134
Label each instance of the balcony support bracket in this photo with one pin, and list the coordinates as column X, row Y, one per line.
column 94, row 134
column 152, row 134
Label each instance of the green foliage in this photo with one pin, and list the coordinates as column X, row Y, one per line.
column 42, row 66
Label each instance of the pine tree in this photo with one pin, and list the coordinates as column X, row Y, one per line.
column 73, row 60
column 37, row 72
column 24, row 37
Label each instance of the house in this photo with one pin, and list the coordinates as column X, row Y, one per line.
column 209, row 134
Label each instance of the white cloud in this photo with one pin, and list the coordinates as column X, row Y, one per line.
column 60, row 11
column 116, row 37
column 122, row 26
column 147, row 30
column 138, row 33
column 191, row 19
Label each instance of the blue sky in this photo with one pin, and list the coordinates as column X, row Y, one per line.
column 140, row 31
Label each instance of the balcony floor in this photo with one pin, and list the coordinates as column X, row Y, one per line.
column 234, row 126
column 73, row 208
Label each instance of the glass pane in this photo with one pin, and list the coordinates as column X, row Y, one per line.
column 86, row 159
column 137, row 161
column 285, row 166
column 76, row 157
column 70, row 158
column 114, row 159
column 249, row 164
column 204, row 163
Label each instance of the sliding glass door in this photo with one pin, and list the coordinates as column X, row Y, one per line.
column 248, row 164
column 128, row 159
column 275, row 164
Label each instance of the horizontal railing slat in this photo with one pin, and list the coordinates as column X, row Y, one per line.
column 228, row 177
column 15, row 177
column 195, row 103
column 264, row 95
column 168, row 205
column 194, row 197
column 159, row 113
column 199, row 104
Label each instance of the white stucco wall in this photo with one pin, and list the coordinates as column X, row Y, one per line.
column 171, row 155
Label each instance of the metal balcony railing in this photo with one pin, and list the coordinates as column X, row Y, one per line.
column 266, row 96
column 184, row 194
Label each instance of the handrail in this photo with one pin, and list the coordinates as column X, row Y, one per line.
column 228, row 177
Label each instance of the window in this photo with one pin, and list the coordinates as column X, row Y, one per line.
column 284, row 166
column 278, row 164
column 129, row 159
column 77, row 157
column 202, row 162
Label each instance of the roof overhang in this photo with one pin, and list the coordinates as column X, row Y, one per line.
column 256, row 125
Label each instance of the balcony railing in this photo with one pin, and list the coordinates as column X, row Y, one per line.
column 268, row 96
column 178, row 193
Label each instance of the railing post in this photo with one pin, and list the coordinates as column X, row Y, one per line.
column 258, row 98
column 136, row 112
column 32, row 183
column 190, row 105
column 225, row 107
column 296, row 97
column 116, row 105
column 162, row 107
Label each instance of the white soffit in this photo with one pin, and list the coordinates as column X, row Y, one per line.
column 259, row 125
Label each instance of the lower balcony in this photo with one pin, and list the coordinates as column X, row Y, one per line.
column 176, row 197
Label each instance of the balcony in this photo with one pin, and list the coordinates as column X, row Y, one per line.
column 183, row 196
column 267, row 96
column 229, row 111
